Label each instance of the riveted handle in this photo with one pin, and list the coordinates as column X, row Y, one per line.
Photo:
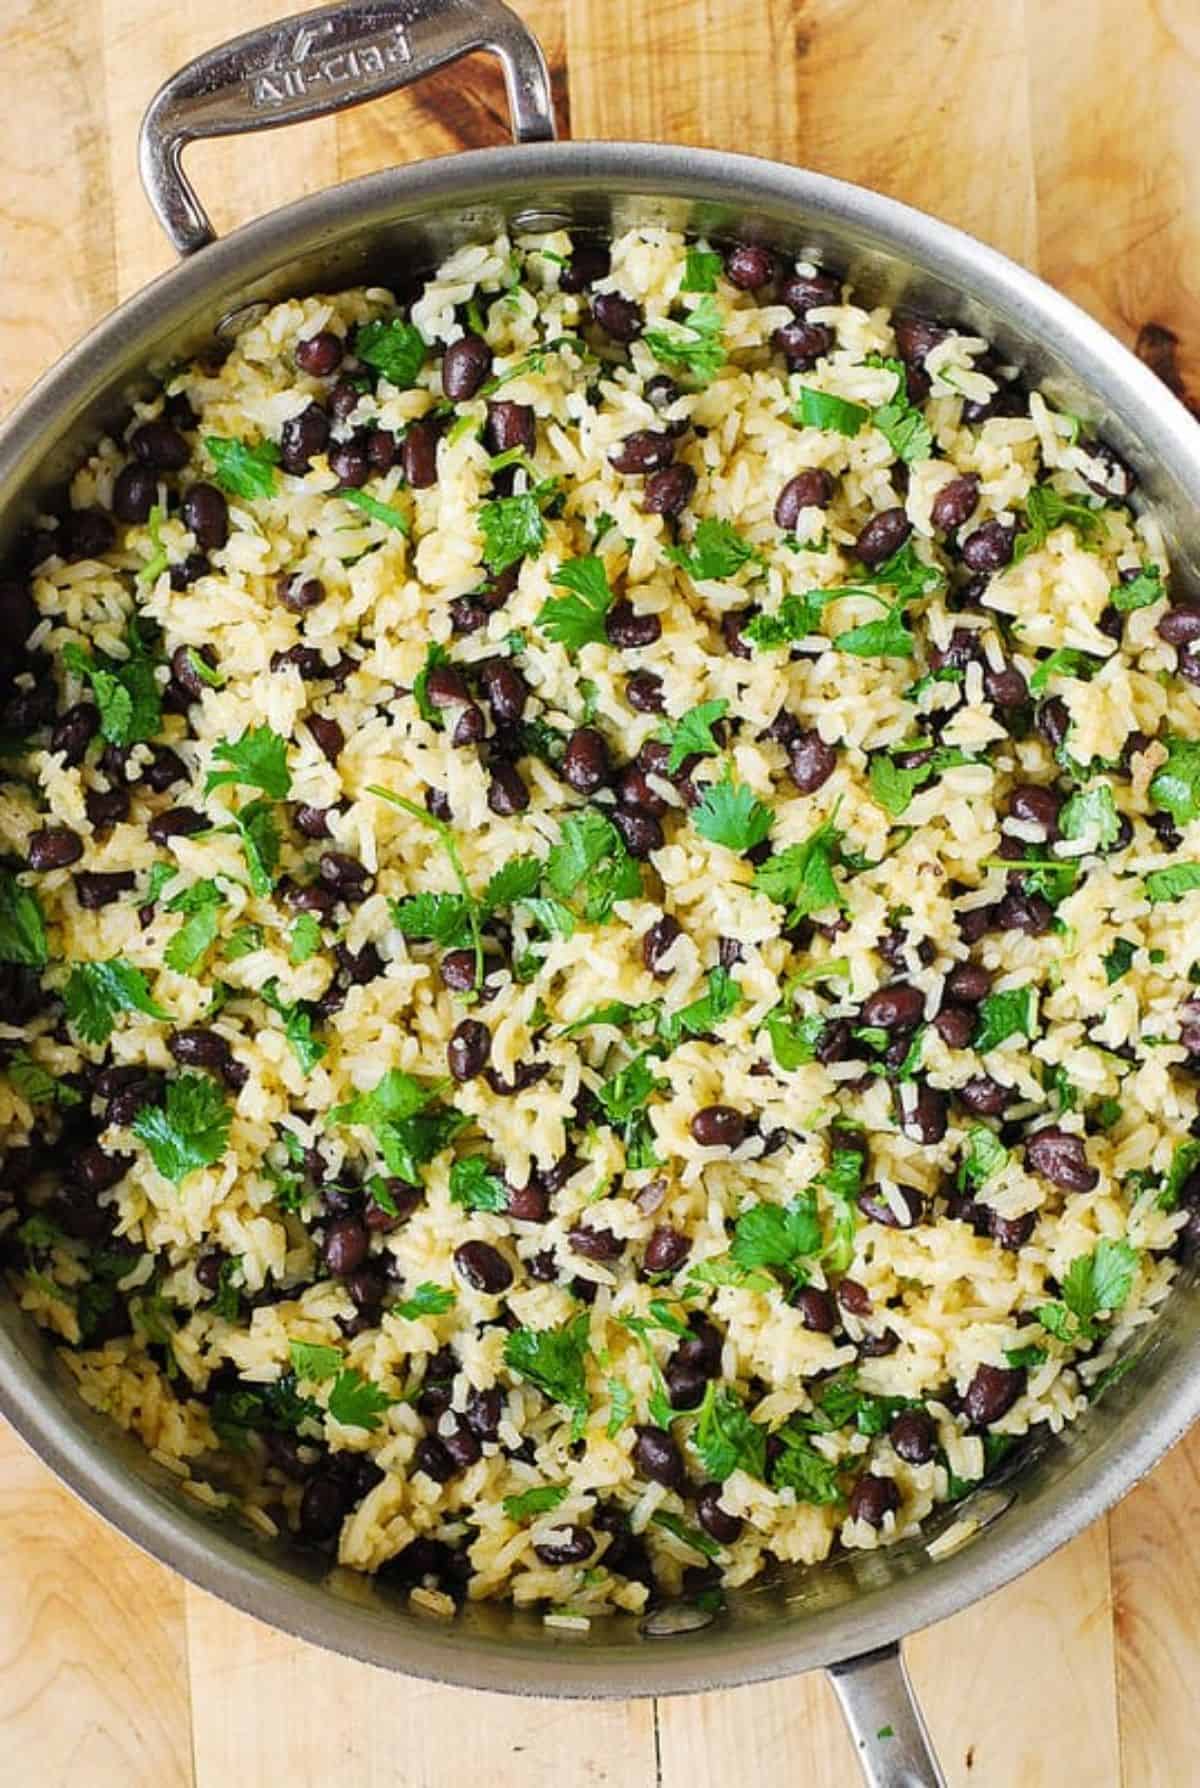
column 319, row 62
column 885, row 1721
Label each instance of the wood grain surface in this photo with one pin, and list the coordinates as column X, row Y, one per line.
column 1066, row 132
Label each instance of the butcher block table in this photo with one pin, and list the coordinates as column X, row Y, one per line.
column 1065, row 132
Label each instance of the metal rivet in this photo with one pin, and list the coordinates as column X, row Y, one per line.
column 664, row 1623
column 243, row 316
column 540, row 223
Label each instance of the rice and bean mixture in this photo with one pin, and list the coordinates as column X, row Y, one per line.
column 601, row 866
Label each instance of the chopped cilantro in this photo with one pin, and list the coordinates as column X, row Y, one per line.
column 256, row 827
column 191, row 943
column 900, row 422
column 513, row 528
column 802, row 1469
column 246, row 472
column 355, row 1402
column 700, row 271
column 189, row 1130
column 695, row 347
column 474, row 1186
column 818, row 409
column 729, row 814
column 298, row 1030
column 717, row 550
column 395, row 349
column 305, row 939
column 793, row 1040
column 538, row 1501
column 553, row 1360
column 427, row 1300
column 125, row 689
column 1002, row 1015
column 409, row 1124
column 725, row 1437
column 313, row 1362
column 1091, row 813
column 577, row 619
column 1047, row 509
column 36, row 1084
column 801, row 877
column 376, row 509
column 1173, row 883
column 1119, row 959
column 1175, row 786
column 96, row 991
column 983, row 1155
column 22, row 927
column 1094, row 1284
column 1141, row 592
column 783, row 1236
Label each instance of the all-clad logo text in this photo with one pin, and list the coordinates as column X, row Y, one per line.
column 300, row 63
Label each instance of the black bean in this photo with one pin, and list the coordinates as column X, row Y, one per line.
column 883, row 535
column 509, row 425
column 158, row 444
column 349, row 464
column 802, row 344
column 718, row 1126
column 634, row 790
column 366, row 1288
column 164, row 770
column 507, row 793
column 595, row 1244
column 873, row 1499
column 1023, row 911
column 176, row 822
column 381, row 444
column 1011, row 1232
column 990, row 547
column 1060, row 1158
column 470, row 727
column 916, row 337
column 992, row 1393
column 446, row 687
column 458, row 970
column 667, row 1249
column 468, row 1049
column 483, row 1267
column 308, row 898
column 807, row 490
column 106, row 807
column 74, row 730
column 656, row 1456
column 328, row 734
column 529, row 1203
column 183, row 668
column 1037, row 806
column 313, row 822
column 898, row 1007
column 204, row 510
column 418, row 454
column 575, row 1545
column 589, row 262
column 802, row 292
column 925, row 1118
column 1053, row 721
column 322, row 1507
column 585, row 765
column 975, row 923
column 96, row 1170
column 1180, row 625
column 208, row 1268
column 53, row 848
column 359, row 966
column 702, row 1349
column 657, row 941
column 431, row 1457
column 620, row 318
column 1007, row 688
column 984, row 1096
column 913, row 1436
column 344, row 399
column 86, row 534
column 466, row 363
column 134, row 493
column 344, row 876
column 646, row 450
column 94, row 890
column 810, row 760
column 184, row 575
column 629, row 629
column 644, row 692
column 835, row 1043
column 199, row 1048
column 299, row 592
column 483, row 1412
column 878, row 1209
column 685, row 1384
column 716, row 1521
column 854, row 1297
column 303, row 436
column 462, row 1446
column 319, row 354
column 346, row 1244
column 955, row 1025
column 1116, row 476
column 955, row 502
column 749, row 266
column 669, row 491
column 641, row 832
column 505, row 689
column 816, row 1309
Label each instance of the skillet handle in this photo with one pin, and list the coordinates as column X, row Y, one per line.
column 319, row 62
column 885, row 1722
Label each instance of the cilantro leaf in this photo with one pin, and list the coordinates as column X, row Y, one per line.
column 1094, row 1284
column 842, row 1182
column 793, row 1040
column 627, row 1091
column 701, row 268
column 692, row 734
column 189, row 1131
column 1141, row 592
column 983, row 1155
column 196, row 936
column 435, row 655
column 722, row 998
column 577, row 620
column 694, row 347
column 818, row 409
column 37, row 1084
column 538, row 1501
column 258, row 758
column 298, row 1030
column 799, row 1467
column 1184, row 1163
column 243, row 471
column 125, row 689
column 1047, row 509
column 255, row 825
column 725, row 1437
column 355, row 1402
column 395, row 348
column 1067, row 661
column 591, row 852
column 157, row 563
column 772, row 1235
column 721, row 1270
column 379, row 511
column 1173, row 883
column 901, row 423
column 443, row 919
column 96, row 991
column 305, row 939
column 797, row 618
column 553, row 1360
column 621, row 1398
column 513, row 528
column 687, row 1536
column 717, row 550
column 22, row 927
column 1119, row 959
column 427, row 1300
column 731, row 815
column 1091, row 813
column 409, row 1125
column 801, row 877
column 1001, row 1015
column 551, row 916
column 514, row 881
column 1175, row 786
column 314, row 1362
column 885, row 638
column 474, row 1186
column 841, row 1400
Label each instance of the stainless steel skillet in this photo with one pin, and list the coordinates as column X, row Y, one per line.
column 850, row 1614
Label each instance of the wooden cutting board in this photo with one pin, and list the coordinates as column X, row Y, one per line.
column 1066, row 132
